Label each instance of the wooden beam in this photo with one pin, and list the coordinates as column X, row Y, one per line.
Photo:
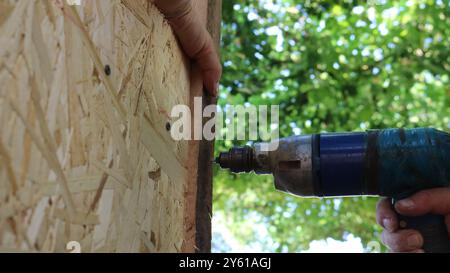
column 206, row 148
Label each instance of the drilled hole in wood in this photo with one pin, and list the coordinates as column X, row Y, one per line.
column 155, row 174
column 107, row 70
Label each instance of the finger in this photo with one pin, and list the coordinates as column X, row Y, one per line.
column 413, row 251
column 203, row 52
column 402, row 240
column 417, row 251
column 386, row 216
column 435, row 201
column 195, row 40
column 209, row 63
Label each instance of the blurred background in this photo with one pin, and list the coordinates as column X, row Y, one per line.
column 331, row 66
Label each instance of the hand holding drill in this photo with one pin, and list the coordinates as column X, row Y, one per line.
column 436, row 201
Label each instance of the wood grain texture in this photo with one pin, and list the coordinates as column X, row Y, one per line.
column 85, row 154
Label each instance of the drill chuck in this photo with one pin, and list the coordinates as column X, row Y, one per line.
column 291, row 163
column 237, row 160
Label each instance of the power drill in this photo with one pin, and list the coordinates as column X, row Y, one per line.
column 394, row 163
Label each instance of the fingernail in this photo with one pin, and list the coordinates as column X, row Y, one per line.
column 388, row 224
column 216, row 89
column 406, row 203
column 414, row 240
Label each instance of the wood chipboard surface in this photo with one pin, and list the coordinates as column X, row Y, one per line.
column 85, row 154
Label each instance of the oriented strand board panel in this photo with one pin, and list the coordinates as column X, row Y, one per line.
column 85, row 153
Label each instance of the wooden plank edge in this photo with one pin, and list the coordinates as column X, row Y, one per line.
column 206, row 150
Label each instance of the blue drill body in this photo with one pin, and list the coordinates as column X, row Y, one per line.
column 392, row 162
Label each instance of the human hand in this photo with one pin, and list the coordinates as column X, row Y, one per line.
column 194, row 39
column 435, row 201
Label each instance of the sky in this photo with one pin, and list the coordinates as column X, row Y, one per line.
column 224, row 241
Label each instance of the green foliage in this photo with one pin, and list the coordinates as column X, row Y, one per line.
column 331, row 66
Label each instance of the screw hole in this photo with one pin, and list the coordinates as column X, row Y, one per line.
column 107, row 70
column 168, row 126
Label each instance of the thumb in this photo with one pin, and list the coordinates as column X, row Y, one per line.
column 435, row 201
